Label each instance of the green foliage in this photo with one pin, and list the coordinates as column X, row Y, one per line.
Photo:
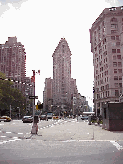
column 10, row 96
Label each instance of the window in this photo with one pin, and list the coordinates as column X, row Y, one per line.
column 119, row 70
column 113, row 31
column 115, row 77
column 114, row 19
column 118, row 50
column 118, row 56
column 119, row 64
column 114, row 57
column 114, row 25
column 120, row 77
column 114, row 64
column 115, row 70
column 112, row 37
column 116, row 85
column 116, row 92
column 117, row 37
column 113, row 50
column 117, row 43
column 120, row 85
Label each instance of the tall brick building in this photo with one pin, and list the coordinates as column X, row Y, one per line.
column 106, row 37
column 13, row 61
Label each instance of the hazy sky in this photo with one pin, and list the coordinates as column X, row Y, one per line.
column 40, row 24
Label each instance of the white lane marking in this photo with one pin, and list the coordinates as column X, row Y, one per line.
column 1, row 124
column 12, row 140
column 8, row 132
column 119, row 147
column 15, row 137
column 20, row 133
column 2, row 136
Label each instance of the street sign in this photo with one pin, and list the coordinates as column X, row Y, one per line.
column 33, row 97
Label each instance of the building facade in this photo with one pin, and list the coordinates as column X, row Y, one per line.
column 48, row 97
column 13, row 62
column 106, row 37
column 60, row 93
column 62, row 75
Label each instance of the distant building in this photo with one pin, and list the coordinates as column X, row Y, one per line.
column 106, row 37
column 61, row 91
column 62, row 75
column 13, row 62
column 47, row 97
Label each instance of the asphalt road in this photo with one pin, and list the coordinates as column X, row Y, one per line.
column 48, row 148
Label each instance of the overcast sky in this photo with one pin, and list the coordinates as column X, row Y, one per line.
column 40, row 24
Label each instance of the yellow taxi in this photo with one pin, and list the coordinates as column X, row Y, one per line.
column 5, row 119
column 55, row 117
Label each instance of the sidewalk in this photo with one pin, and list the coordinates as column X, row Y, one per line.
column 73, row 130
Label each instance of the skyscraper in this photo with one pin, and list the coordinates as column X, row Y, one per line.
column 13, row 61
column 62, row 75
column 106, row 37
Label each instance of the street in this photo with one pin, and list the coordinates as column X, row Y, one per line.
column 59, row 141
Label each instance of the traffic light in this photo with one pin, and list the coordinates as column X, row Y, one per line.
column 40, row 106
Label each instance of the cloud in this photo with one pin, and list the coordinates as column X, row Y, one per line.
column 114, row 3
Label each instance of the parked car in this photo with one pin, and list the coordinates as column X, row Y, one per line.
column 28, row 119
column 84, row 117
column 5, row 119
column 43, row 117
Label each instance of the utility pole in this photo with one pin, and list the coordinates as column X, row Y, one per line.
column 10, row 111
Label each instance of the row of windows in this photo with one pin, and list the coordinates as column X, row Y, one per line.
column 115, row 64
column 101, row 75
column 115, row 50
column 102, row 81
column 117, row 85
column 115, row 37
column 102, row 95
column 116, row 57
column 106, row 94
column 116, row 77
column 117, row 70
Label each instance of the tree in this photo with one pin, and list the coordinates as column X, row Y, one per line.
column 10, row 96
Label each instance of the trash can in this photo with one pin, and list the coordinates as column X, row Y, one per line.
column 89, row 120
